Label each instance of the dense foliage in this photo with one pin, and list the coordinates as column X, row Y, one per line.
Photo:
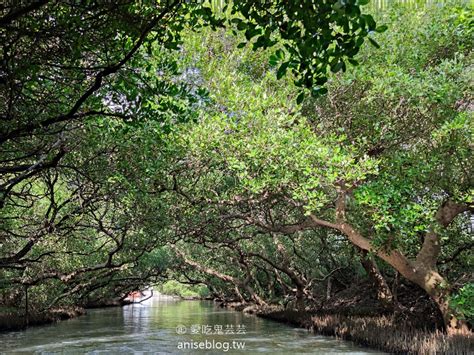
column 382, row 161
column 147, row 143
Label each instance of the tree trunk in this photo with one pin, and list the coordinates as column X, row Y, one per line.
column 328, row 288
column 438, row 289
column 384, row 294
column 299, row 298
column 284, row 266
column 239, row 295
column 417, row 272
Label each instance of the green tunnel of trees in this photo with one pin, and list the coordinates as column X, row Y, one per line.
column 270, row 151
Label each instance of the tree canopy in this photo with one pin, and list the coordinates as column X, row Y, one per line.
column 258, row 148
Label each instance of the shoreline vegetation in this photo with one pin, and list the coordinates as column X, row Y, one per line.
column 13, row 321
column 414, row 328
column 376, row 332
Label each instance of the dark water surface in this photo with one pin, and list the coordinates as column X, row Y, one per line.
column 170, row 327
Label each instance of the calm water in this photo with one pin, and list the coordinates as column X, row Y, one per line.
column 155, row 326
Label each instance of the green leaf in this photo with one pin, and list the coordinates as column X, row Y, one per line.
column 381, row 28
column 252, row 32
column 353, row 61
column 375, row 44
column 338, row 66
column 370, row 22
column 300, row 98
column 241, row 26
column 280, row 54
column 273, row 60
column 282, row 70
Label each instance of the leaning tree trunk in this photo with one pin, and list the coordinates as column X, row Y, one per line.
column 418, row 272
column 422, row 271
column 439, row 291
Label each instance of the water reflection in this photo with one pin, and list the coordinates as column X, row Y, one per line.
column 152, row 328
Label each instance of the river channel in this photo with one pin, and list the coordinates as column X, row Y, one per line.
column 160, row 326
